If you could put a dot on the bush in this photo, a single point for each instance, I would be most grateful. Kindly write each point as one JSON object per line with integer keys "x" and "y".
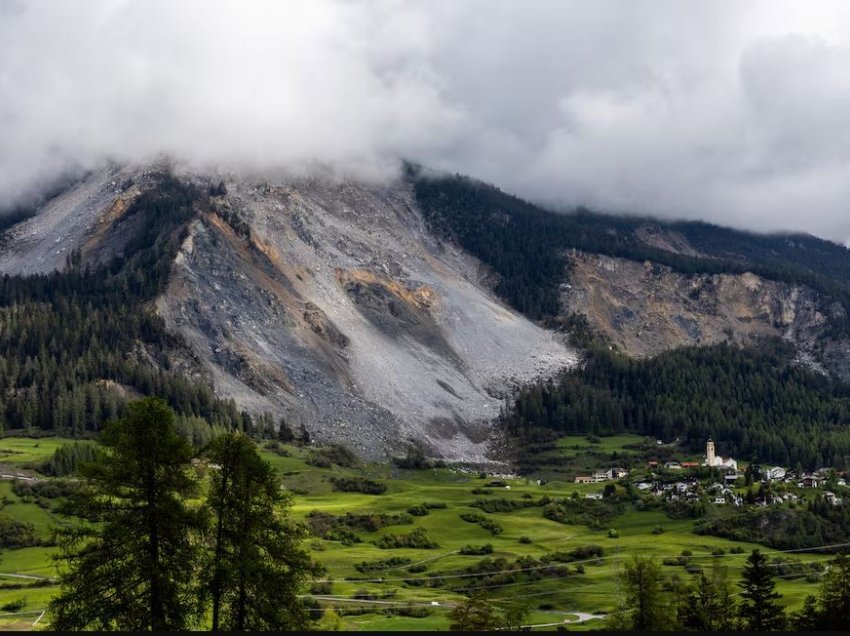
{"x": 736, "y": 550}
{"x": 419, "y": 510}
{"x": 381, "y": 564}
{"x": 358, "y": 484}
{"x": 477, "y": 550}
{"x": 687, "y": 553}
{"x": 718, "y": 552}
{"x": 417, "y": 568}
{"x": 320, "y": 523}
{"x": 16, "y": 534}
{"x": 332, "y": 454}
{"x": 14, "y": 606}
{"x": 481, "y": 520}
{"x": 525, "y": 539}
{"x": 321, "y": 587}
{"x": 416, "y": 539}
{"x": 657, "y": 530}
{"x": 613, "y": 534}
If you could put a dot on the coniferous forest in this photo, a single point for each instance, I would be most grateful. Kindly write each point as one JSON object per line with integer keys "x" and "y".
{"x": 756, "y": 400}
{"x": 67, "y": 339}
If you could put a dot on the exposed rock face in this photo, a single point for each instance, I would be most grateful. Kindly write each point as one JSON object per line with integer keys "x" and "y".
{"x": 332, "y": 306}
{"x": 337, "y": 309}
{"x": 75, "y": 220}
{"x": 646, "y": 308}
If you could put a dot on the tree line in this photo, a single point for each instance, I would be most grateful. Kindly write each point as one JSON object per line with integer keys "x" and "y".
{"x": 754, "y": 401}
{"x": 650, "y": 602}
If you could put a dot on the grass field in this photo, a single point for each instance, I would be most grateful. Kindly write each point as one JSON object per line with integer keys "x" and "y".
{"x": 393, "y": 588}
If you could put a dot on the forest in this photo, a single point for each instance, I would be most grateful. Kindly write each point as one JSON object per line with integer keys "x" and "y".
{"x": 74, "y": 344}
{"x": 754, "y": 401}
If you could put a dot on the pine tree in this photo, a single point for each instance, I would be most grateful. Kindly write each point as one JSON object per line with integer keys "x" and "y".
{"x": 708, "y": 604}
{"x": 834, "y": 595}
{"x": 759, "y": 611}
{"x": 130, "y": 569}
{"x": 644, "y": 607}
{"x": 257, "y": 565}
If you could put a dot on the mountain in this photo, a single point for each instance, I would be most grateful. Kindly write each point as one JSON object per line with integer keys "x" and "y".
{"x": 327, "y": 304}
{"x": 645, "y": 286}
{"x": 371, "y": 315}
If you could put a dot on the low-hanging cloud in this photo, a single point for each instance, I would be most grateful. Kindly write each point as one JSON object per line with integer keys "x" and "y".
{"x": 735, "y": 112}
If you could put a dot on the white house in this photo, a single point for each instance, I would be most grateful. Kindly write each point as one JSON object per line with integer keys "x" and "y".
{"x": 777, "y": 472}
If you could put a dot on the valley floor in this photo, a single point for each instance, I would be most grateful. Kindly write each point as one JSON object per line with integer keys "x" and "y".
{"x": 551, "y": 566}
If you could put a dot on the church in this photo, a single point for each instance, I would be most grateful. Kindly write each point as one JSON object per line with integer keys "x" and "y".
{"x": 711, "y": 459}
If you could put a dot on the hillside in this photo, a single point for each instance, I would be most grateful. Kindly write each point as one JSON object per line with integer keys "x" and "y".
{"x": 373, "y": 315}
{"x": 324, "y": 304}
{"x": 647, "y": 286}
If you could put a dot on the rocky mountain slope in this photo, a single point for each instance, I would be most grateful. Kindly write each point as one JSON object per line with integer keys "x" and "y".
{"x": 327, "y": 304}
{"x": 644, "y": 286}
{"x": 378, "y": 314}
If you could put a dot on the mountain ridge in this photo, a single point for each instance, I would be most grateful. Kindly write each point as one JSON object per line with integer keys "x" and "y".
{"x": 380, "y": 315}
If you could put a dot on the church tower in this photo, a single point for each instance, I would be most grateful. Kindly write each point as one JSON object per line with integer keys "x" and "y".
{"x": 709, "y": 452}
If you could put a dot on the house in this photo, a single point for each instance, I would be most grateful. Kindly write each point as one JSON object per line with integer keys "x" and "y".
{"x": 690, "y": 464}
{"x": 652, "y": 463}
{"x": 593, "y": 495}
{"x": 583, "y": 479}
{"x": 719, "y": 500}
{"x": 731, "y": 478}
{"x": 808, "y": 481}
{"x": 673, "y": 466}
{"x": 777, "y": 472}
{"x": 600, "y": 475}
{"x": 643, "y": 485}
{"x": 617, "y": 473}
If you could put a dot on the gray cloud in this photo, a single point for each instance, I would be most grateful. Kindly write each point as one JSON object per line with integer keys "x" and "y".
{"x": 735, "y": 112}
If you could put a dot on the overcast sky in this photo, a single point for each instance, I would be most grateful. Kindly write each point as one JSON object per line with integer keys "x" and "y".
{"x": 732, "y": 111}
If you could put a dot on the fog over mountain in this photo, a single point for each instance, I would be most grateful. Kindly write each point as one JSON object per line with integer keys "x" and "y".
{"x": 734, "y": 112}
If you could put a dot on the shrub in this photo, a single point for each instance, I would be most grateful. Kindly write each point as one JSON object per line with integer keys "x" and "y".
{"x": 613, "y": 534}
{"x": 657, "y": 530}
{"x": 14, "y": 606}
{"x": 419, "y": 510}
{"x": 16, "y": 534}
{"x": 416, "y": 539}
{"x": 481, "y": 520}
{"x": 358, "y": 484}
{"x": 525, "y": 539}
{"x": 381, "y": 564}
{"x": 321, "y": 587}
{"x": 477, "y": 549}
{"x": 417, "y": 568}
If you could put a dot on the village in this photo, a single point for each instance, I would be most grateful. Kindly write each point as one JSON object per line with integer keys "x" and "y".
{"x": 725, "y": 484}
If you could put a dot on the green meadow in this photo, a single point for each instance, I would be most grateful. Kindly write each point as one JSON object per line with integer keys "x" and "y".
{"x": 405, "y": 588}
